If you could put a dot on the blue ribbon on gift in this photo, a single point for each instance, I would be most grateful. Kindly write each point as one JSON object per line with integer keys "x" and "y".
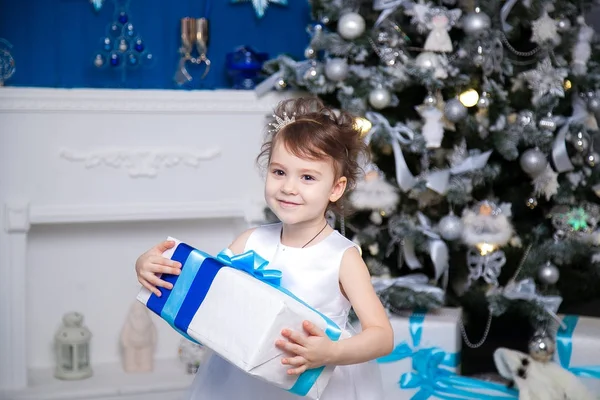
{"x": 405, "y": 350}
{"x": 197, "y": 274}
{"x": 429, "y": 375}
{"x": 564, "y": 341}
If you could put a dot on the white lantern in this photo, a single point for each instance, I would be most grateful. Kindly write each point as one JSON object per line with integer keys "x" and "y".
{"x": 72, "y": 346}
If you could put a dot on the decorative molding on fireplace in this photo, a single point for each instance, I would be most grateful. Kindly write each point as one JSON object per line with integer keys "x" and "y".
{"x": 139, "y": 162}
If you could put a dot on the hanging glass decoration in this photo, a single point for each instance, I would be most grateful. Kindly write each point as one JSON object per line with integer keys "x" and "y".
{"x": 7, "y": 62}
{"x": 97, "y": 4}
{"x": 260, "y": 6}
{"x": 122, "y": 48}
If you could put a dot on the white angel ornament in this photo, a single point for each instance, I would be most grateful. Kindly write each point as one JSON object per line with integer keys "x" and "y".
{"x": 440, "y": 20}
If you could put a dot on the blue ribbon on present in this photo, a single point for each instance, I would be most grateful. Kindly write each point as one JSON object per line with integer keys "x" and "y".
{"x": 197, "y": 274}
{"x": 564, "y": 341}
{"x": 405, "y": 350}
{"x": 429, "y": 375}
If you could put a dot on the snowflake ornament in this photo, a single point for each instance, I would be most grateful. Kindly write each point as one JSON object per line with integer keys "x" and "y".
{"x": 420, "y": 15}
{"x": 545, "y": 30}
{"x": 545, "y": 79}
{"x": 546, "y": 183}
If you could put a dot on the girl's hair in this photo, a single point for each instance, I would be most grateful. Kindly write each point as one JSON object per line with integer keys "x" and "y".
{"x": 318, "y": 133}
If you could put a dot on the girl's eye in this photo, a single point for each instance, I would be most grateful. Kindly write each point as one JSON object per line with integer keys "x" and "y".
{"x": 308, "y": 177}
{"x": 278, "y": 172}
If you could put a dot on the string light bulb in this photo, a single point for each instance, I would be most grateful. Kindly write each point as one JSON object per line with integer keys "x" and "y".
{"x": 469, "y": 98}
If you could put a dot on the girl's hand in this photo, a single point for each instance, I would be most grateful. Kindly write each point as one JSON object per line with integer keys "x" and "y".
{"x": 151, "y": 264}
{"x": 308, "y": 350}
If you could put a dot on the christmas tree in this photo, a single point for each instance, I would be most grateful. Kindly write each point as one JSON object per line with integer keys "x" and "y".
{"x": 483, "y": 187}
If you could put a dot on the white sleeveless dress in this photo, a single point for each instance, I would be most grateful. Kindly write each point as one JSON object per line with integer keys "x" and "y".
{"x": 312, "y": 274}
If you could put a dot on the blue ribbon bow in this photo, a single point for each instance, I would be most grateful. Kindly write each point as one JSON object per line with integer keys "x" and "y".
{"x": 429, "y": 376}
{"x": 197, "y": 274}
{"x": 405, "y": 350}
{"x": 564, "y": 341}
{"x": 253, "y": 264}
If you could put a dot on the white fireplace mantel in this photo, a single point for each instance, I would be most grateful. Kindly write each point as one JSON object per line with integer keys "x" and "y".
{"x": 78, "y": 167}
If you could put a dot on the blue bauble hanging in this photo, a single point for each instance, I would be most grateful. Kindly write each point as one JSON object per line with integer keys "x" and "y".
{"x": 107, "y": 44}
{"x": 139, "y": 45}
{"x": 129, "y": 30}
{"x": 115, "y": 59}
{"x": 123, "y": 18}
{"x": 132, "y": 60}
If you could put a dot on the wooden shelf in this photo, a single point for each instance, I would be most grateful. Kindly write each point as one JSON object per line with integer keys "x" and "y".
{"x": 169, "y": 380}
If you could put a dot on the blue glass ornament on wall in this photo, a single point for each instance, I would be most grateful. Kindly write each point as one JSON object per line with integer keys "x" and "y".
{"x": 122, "y": 49}
{"x": 244, "y": 66}
{"x": 97, "y": 4}
{"x": 260, "y": 6}
{"x": 7, "y": 62}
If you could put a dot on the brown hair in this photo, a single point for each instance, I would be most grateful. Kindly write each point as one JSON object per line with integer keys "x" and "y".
{"x": 319, "y": 133}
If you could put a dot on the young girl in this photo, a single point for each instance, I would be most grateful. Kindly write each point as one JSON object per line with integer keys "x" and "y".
{"x": 312, "y": 157}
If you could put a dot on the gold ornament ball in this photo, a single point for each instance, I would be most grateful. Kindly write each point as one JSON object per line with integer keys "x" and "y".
{"x": 542, "y": 348}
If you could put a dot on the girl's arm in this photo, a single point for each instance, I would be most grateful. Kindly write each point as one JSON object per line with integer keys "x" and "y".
{"x": 239, "y": 244}
{"x": 377, "y": 337}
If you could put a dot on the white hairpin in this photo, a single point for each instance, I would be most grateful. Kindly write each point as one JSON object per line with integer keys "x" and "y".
{"x": 281, "y": 122}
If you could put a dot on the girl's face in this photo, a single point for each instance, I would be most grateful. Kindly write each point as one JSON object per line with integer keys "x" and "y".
{"x": 298, "y": 190}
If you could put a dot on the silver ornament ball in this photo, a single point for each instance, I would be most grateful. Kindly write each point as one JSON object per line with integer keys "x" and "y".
{"x": 454, "y": 111}
{"x": 450, "y": 227}
{"x": 547, "y": 123}
{"x": 592, "y": 159}
{"x": 563, "y": 24}
{"x": 427, "y": 60}
{"x": 99, "y": 60}
{"x": 351, "y": 25}
{"x": 548, "y": 274}
{"x": 593, "y": 104}
{"x": 336, "y": 69}
{"x": 476, "y": 22}
{"x": 533, "y": 162}
{"x": 380, "y": 98}
{"x": 542, "y": 348}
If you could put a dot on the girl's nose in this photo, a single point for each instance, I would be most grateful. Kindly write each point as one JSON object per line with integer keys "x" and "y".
{"x": 289, "y": 186}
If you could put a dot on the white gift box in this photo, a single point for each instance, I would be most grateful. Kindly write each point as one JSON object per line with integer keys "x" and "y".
{"x": 426, "y": 360}
{"x": 578, "y": 349}
{"x": 418, "y": 332}
{"x": 213, "y": 297}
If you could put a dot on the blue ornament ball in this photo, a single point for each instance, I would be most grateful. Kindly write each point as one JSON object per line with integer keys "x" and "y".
{"x": 132, "y": 60}
{"x": 107, "y": 44}
{"x": 129, "y": 30}
{"x": 123, "y": 18}
{"x": 139, "y": 45}
{"x": 115, "y": 59}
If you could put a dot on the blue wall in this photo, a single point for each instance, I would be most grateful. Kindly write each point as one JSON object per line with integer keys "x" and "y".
{"x": 54, "y": 41}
